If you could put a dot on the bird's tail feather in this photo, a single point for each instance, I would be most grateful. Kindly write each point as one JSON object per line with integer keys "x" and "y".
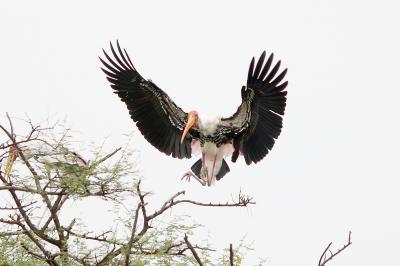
{"x": 196, "y": 169}
{"x": 224, "y": 170}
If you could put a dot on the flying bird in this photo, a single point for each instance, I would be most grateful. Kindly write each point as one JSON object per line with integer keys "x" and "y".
{"x": 251, "y": 131}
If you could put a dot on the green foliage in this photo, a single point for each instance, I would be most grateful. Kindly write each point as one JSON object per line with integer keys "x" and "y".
{"x": 52, "y": 172}
{"x": 12, "y": 253}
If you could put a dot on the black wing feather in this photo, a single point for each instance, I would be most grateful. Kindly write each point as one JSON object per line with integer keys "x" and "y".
{"x": 158, "y": 118}
{"x": 259, "y": 65}
{"x": 258, "y": 121}
{"x": 251, "y": 68}
{"x": 266, "y": 67}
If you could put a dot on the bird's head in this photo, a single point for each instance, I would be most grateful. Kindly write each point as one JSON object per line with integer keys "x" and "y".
{"x": 193, "y": 120}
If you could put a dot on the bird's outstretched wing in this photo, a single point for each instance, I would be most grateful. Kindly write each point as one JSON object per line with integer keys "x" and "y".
{"x": 158, "y": 118}
{"x": 258, "y": 120}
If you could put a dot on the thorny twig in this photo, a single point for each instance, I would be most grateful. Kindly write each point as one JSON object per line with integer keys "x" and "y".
{"x": 324, "y": 258}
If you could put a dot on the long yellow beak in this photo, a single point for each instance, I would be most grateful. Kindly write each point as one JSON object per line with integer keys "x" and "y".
{"x": 191, "y": 121}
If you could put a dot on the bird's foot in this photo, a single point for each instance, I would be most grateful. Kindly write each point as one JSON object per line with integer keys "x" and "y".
{"x": 190, "y": 174}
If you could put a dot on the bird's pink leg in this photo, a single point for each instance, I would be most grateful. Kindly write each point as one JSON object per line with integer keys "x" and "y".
{"x": 212, "y": 171}
{"x": 203, "y": 171}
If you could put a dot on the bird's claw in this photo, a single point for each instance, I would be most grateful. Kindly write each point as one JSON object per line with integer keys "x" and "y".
{"x": 190, "y": 174}
{"x": 187, "y": 176}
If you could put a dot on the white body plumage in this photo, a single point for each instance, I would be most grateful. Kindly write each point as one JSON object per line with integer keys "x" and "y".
{"x": 212, "y": 155}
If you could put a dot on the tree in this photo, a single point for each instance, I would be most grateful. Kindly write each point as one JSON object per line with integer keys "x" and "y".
{"x": 41, "y": 171}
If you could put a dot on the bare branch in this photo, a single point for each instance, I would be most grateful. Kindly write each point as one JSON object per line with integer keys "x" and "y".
{"x": 99, "y": 238}
{"x": 35, "y": 241}
{"x": 36, "y": 255}
{"x": 325, "y": 259}
{"x": 11, "y": 124}
{"x": 108, "y": 156}
{"x": 146, "y": 219}
{"x": 194, "y": 252}
{"x": 130, "y": 243}
{"x": 54, "y": 209}
{"x": 28, "y": 221}
{"x": 75, "y": 258}
{"x": 242, "y": 202}
{"x": 171, "y": 199}
{"x": 16, "y": 208}
{"x": 4, "y": 221}
{"x": 231, "y": 254}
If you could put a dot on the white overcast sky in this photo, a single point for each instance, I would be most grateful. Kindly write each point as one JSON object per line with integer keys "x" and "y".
{"x": 333, "y": 169}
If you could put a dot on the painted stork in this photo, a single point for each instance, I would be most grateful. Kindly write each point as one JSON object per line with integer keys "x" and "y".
{"x": 251, "y": 131}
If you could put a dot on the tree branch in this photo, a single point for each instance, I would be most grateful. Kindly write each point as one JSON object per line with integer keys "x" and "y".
{"x": 243, "y": 202}
{"x": 108, "y": 156}
{"x": 231, "y": 255}
{"x": 194, "y": 252}
{"x": 99, "y": 238}
{"x": 16, "y": 198}
{"x": 130, "y": 243}
{"x": 36, "y": 242}
{"x": 325, "y": 259}
{"x": 16, "y": 233}
{"x": 55, "y": 208}
{"x": 16, "y": 208}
